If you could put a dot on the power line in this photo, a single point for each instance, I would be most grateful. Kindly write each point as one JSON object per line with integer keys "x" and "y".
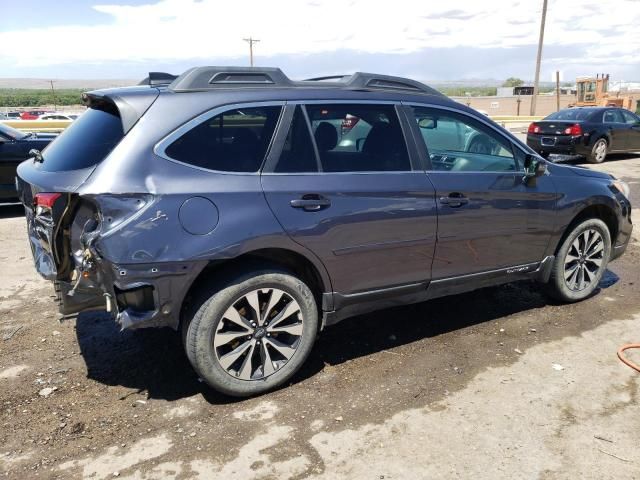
{"x": 251, "y": 41}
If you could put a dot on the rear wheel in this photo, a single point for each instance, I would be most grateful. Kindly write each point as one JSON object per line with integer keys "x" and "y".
{"x": 599, "y": 151}
{"x": 581, "y": 261}
{"x": 253, "y": 333}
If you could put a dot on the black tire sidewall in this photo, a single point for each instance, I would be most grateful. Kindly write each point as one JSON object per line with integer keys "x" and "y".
{"x": 560, "y": 290}
{"x": 200, "y": 332}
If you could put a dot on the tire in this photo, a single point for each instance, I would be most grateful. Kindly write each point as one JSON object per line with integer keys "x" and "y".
{"x": 242, "y": 360}
{"x": 598, "y": 151}
{"x": 572, "y": 261}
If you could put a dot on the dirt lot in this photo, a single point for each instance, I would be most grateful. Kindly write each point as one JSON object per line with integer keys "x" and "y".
{"x": 498, "y": 383}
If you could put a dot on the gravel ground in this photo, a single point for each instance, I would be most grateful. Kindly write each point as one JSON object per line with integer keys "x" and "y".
{"x": 497, "y": 383}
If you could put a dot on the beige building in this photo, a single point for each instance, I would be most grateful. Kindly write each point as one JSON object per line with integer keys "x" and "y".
{"x": 509, "y": 105}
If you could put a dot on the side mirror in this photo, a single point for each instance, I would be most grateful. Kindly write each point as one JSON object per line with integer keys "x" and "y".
{"x": 360, "y": 144}
{"x": 428, "y": 123}
{"x": 534, "y": 167}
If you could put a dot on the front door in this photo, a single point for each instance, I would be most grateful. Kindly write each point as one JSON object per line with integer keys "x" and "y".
{"x": 488, "y": 218}
{"x": 341, "y": 182}
{"x": 632, "y": 123}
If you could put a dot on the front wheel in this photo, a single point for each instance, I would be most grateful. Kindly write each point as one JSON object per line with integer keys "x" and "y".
{"x": 253, "y": 333}
{"x": 599, "y": 151}
{"x": 581, "y": 261}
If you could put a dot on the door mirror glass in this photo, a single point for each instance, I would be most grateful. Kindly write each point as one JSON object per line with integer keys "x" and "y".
{"x": 534, "y": 167}
{"x": 428, "y": 123}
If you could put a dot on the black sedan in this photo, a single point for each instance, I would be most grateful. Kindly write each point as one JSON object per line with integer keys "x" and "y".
{"x": 590, "y": 132}
{"x": 14, "y": 148}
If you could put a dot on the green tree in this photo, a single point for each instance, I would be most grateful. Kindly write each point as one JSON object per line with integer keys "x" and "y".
{"x": 513, "y": 82}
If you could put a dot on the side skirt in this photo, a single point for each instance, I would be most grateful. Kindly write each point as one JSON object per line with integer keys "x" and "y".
{"x": 364, "y": 302}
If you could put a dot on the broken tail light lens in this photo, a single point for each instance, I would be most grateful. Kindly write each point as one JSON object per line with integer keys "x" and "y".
{"x": 46, "y": 200}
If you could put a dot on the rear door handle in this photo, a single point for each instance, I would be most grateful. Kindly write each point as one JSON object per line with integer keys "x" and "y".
{"x": 454, "y": 200}
{"x": 311, "y": 202}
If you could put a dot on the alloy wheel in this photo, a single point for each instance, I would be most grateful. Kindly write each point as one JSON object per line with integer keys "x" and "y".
{"x": 584, "y": 260}
{"x": 601, "y": 150}
{"x": 258, "y": 334}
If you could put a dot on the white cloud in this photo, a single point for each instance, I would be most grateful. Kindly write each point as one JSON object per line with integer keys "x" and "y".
{"x": 172, "y": 30}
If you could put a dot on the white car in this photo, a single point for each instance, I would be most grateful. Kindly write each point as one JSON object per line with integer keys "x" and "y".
{"x": 58, "y": 116}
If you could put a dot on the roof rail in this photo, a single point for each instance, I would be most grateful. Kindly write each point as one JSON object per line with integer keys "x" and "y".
{"x": 158, "y": 78}
{"x": 328, "y": 77}
{"x": 388, "y": 82}
{"x": 206, "y": 78}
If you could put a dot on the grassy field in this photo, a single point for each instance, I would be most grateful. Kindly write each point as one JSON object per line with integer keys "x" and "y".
{"x": 18, "y": 97}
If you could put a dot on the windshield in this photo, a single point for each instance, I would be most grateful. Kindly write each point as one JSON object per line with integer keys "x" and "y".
{"x": 86, "y": 142}
{"x": 11, "y": 132}
{"x": 571, "y": 114}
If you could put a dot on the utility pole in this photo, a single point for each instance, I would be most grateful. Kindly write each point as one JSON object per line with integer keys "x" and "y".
{"x": 557, "y": 91}
{"x": 55, "y": 106}
{"x": 536, "y": 81}
{"x": 251, "y": 41}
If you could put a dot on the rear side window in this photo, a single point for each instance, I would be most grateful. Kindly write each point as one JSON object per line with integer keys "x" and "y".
{"x": 358, "y": 138}
{"x": 233, "y": 141}
{"x": 86, "y": 142}
{"x": 571, "y": 114}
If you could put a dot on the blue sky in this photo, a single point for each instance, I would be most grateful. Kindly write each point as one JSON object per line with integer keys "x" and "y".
{"x": 428, "y": 40}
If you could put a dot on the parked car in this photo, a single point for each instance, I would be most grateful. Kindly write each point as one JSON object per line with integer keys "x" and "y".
{"x": 222, "y": 205}
{"x": 58, "y": 116}
{"x": 589, "y": 132}
{"x": 32, "y": 114}
{"x": 13, "y": 116}
{"x": 14, "y": 148}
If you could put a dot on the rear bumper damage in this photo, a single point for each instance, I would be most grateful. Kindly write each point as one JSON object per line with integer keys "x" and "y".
{"x": 138, "y": 296}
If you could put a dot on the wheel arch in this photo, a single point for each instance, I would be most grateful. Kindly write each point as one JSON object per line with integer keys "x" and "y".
{"x": 600, "y": 211}
{"x": 290, "y": 260}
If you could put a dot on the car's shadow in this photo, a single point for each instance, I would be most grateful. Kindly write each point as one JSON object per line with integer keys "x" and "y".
{"x": 612, "y": 157}
{"x": 152, "y": 361}
{"x": 11, "y": 210}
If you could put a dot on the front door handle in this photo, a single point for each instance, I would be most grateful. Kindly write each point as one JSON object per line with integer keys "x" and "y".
{"x": 454, "y": 200}
{"x": 311, "y": 202}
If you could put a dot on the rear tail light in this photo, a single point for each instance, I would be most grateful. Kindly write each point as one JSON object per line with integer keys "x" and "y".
{"x": 574, "y": 130}
{"x": 46, "y": 200}
{"x": 534, "y": 128}
{"x": 348, "y": 123}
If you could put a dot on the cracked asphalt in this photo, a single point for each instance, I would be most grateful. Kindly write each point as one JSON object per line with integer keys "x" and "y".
{"x": 496, "y": 383}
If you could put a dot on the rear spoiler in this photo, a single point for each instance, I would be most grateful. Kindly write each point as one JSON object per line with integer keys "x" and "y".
{"x": 129, "y": 105}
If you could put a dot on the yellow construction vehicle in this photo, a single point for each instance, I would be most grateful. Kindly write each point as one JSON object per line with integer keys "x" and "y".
{"x": 594, "y": 92}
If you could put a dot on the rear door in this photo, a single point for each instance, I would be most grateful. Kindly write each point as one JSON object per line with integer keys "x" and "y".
{"x": 342, "y": 183}
{"x": 487, "y": 218}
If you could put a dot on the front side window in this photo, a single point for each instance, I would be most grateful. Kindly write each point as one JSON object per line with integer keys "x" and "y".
{"x": 233, "y": 141}
{"x": 358, "y": 138}
{"x": 459, "y": 143}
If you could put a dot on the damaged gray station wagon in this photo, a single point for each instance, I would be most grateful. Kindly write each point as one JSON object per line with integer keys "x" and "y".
{"x": 250, "y": 211}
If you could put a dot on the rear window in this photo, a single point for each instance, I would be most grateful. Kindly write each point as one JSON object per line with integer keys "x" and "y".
{"x": 233, "y": 141}
{"x": 571, "y": 114}
{"x": 86, "y": 142}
